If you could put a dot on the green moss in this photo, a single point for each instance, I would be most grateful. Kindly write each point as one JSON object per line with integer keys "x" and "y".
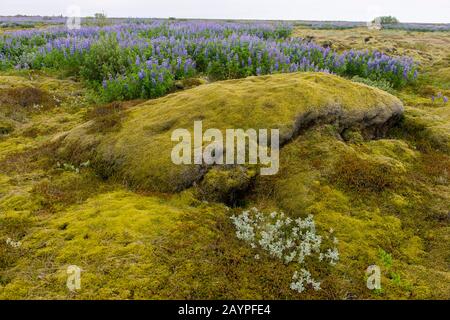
{"x": 352, "y": 136}
{"x": 6, "y": 126}
{"x": 426, "y": 128}
{"x": 106, "y": 118}
{"x": 113, "y": 237}
{"x": 152, "y": 246}
{"x": 362, "y": 209}
{"x": 189, "y": 83}
{"x": 25, "y": 97}
{"x": 140, "y": 153}
{"x": 367, "y": 174}
{"x": 225, "y": 185}
{"x": 394, "y": 149}
{"x": 67, "y": 188}
{"x": 14, "y": 145}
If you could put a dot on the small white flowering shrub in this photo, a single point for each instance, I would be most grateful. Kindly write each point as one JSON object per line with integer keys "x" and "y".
{"x": 291, "y": 241}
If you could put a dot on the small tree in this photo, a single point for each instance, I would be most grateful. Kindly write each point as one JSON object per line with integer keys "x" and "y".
{"x": 384, "y": 20}
{"x": 101, "y": 19}
{"x": 100, "y": 16}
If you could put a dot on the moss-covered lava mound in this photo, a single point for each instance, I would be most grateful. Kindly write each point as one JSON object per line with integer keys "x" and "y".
{"x": 139, "y": 152}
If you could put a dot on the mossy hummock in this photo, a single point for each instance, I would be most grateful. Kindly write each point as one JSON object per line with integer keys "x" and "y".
{"x": 140, "y": 152}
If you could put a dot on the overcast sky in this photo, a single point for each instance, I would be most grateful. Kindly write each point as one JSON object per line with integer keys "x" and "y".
{"x": 349, "y": 10}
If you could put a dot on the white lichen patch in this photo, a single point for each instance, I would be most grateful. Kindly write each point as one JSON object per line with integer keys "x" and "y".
{"x": 291, "y": 241}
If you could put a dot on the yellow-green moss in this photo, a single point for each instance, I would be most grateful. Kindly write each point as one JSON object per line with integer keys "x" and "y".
{"x": 225, "y": 185}
{"x": 14, "y": 145}
{"x": 394, "y": 149}
{"x": 112, "y": 237}
{"x": 427, "y": 128}
{"x": 133, "y": 246}
{"x": 140, "y": 153}
{"x": 393, "y": 216}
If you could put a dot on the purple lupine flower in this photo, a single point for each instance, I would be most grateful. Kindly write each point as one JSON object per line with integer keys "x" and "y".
{"x": 405, "y": 73}
{"x": 171, "y": 47}
{"x": 277, "y": 66}
{"x": 141, "y": 74}
{"x": 445, "y": 99}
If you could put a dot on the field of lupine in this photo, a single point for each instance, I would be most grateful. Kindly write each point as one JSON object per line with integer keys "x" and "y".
{"x": 142, "y": 60}
{"x": 343, "y": 25}
{"x": 86, "y": 179}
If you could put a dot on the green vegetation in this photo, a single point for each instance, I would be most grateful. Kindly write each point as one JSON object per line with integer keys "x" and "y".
{"x": 386, "y": 20}
{"x": 380, "y": 84}
{"x": 140, "y": 152}
{"x": 81, "y": 183}
{"x": 144, "y": 59}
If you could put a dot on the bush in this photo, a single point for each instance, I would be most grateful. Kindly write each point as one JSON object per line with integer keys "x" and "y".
{"x": 216, "y": 71}
{"x": 142, "y": 84}
{"x": 104, "y": 60}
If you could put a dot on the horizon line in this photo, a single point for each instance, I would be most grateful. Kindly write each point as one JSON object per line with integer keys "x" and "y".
{"x": 233, "y": 19}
